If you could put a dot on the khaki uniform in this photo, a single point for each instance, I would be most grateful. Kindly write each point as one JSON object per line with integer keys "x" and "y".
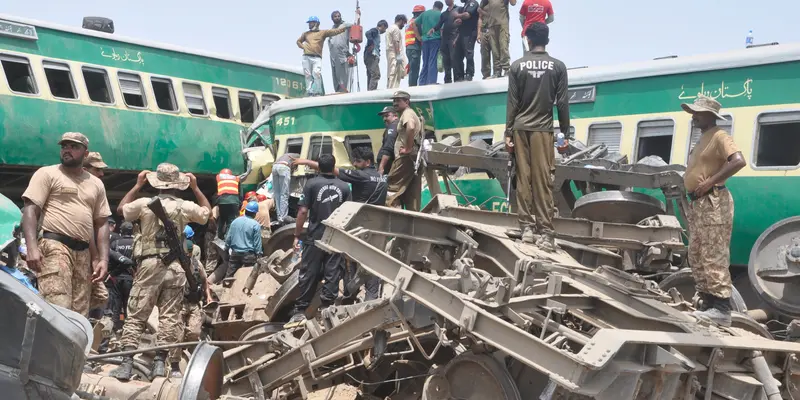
{"x": 404, "y": 183}
{"x": 486, "y": 51}
{"x": 395, "y": 61}
{"x": 497, "y": 37}
{"x": 211, "y": 250}
{"x": 711, "y": 216}
{"x": 535, "y": 171}
{"x": 191, "y": 314}
{"x": 156, "y": 284}
{"x": 262, "y": 217}
{"x": 69, "y": 205}
{"x": 99, "y": 295}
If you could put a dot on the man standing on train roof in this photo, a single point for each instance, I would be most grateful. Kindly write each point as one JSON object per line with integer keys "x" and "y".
{"x": 413, "y": 42}
{"x": 386, "y": 153}
{"x": 282, "y": 170}
{"x": 405, "y": 185}
{"x": 311, "y": 42}
{"x": 467, "y": 23}
{"x": 75, "y": 210}
{"x": 536, "y": 82}
{"x": 157, "y": 284}
{"x": 372, "y": 54}
{"x": 339, "y": 45}
{"x": 713, "y": 160}
{"x": 396, "y": 63}
{"x": 533, "y": 11}
{"x": 495, "y": 17}
{"x": 227, "y": 200}
{"x": 431, "y": 42}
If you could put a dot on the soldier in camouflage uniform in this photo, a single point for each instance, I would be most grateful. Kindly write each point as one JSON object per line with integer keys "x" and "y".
{"x": 156, "y": 284}
{"x": 714, "y": 159}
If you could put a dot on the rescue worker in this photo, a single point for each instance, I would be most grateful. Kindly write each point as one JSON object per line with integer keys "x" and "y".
{"x": 405, "y": 185}
{"x": 372, "y": 54}
{"x": 244, "y": 240}
{"x": 282, "y": 171}
{"x": 532, "y": 11}
{"x": 192, "y": 313}
{"x": 248, "y": 197}
{"x": 322, "y": 195}
{"x": 311, "y": 43}
{"x": 262, "y": 217}
{"x": 431, "y": 41}
{"x": 386, "y": 153}
{"x": 713, "y": 160}
{"x": 449, "y": 32}
{"x": 536, "y": 82}
{"x": 369, "y": 187}
{"x": 467, "y": 23}
{"x": 156, "y": 284}
{"x": 339, "y": 45}
{"x": 227, "y": 200}
{"x": 74, "y": 209}
{"x": 413, "y": 42}
{"x": 396, "y": 63}
{"x": 494, "y": 15}
{"x": 120, "y": 274}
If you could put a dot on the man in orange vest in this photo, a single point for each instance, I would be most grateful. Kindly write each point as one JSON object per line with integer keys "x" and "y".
{"x": 227, "y": 200}
{"x": 414, "y": 46}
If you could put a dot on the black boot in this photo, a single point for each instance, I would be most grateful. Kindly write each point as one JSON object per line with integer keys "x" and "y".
{"x": 719, "y": 311}
{"x": 175, "y": 370}
{"x": 704, "y": 302}
{"x": 159, "y": 364}
{"x": 125, "y": 370}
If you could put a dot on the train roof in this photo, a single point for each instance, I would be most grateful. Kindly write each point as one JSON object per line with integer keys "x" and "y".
{"x": 146, "y": 43}
{"x": 770, "y": 54}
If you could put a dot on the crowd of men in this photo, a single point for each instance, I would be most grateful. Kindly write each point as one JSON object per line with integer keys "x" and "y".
{"x": 439, "y": 39}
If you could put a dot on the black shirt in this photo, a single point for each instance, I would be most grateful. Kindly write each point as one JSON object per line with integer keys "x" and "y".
{"x": 373, "y": 39}
{"x": 368, "y": 185}
{"x": 535, "y": 82}
{"x": 471, "y": 24}
{"x": 447, "y": 24}
{"x": 322, "y": 195}
{"x": 123, "y": 245}
{"x": 387, "y": 147}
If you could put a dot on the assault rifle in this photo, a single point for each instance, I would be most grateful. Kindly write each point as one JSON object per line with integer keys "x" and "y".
{"x": 175, "y": 245}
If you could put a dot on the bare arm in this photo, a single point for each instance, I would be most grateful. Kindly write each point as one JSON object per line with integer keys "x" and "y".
{"x": 735, "y": 163}
{"x": 302, "y": 216}
{"x": 301, "y": 40}
{"x": 512, "y": 2}
{"x": 550, "y": 18}
{"x": 202, "y": 201}
{"x": 336, "y": 31}
{"x": 30, "y": 228}
{"x": 101, "y": 234}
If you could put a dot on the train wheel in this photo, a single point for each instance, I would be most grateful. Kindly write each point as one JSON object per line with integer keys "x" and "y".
{"x": 471, "y": 377}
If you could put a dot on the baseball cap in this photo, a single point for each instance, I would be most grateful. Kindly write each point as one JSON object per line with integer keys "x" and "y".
{"x": 387, "y": 109}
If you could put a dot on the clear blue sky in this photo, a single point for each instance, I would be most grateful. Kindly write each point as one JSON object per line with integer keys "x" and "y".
{"x": 586, "y": 32}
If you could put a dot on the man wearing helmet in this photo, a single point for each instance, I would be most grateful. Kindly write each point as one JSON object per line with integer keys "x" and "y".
{"x": 227, "y": 200}
{"x": 244, "y": 240}
{"x": 311, "y": 43}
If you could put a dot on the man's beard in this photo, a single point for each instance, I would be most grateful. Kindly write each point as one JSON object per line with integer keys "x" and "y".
{"x": 71, "y": 163}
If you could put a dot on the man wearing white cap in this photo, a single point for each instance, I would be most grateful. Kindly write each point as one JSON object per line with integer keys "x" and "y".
{"x": 714, "y": 159}
{"x": 75, "y": 210}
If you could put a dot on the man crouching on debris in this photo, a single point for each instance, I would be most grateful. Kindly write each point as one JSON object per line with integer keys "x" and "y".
{"x": 156, "y": 284}
{"x": 322, "y": 195}
{"x": 714, "y": 159}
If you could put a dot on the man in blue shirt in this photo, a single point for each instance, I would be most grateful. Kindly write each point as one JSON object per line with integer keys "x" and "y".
{"x": 372, "y": 54}
{"x": 244, "y": 240}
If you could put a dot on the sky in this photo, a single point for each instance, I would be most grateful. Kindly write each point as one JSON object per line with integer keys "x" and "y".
{"x": 585, "y": 32}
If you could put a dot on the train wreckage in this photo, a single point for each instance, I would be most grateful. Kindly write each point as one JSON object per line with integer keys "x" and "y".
{"x": 467, "y": 311}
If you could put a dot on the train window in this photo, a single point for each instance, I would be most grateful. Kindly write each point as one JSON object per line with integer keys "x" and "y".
{"x": 294, "y": 145}
{"x": 98, "y": 85}
{"x": 608, "y": 133}
{"x": 19, "y": 74}
{"x": 194, "y": 98}
{"x": 351, "y": 142}
{"x": 777, "y": 141}
{"x": 486, "y": 136}
{"x": 132, "y": 90}
{"x": 165, "y": 95}
{"x": 570, "y": 133}
{"x": 654, "y": 138}
{"x": 222, "y": 102}
{"x": 248, "y": 106}
{"x": 59, "y": 78}
{"x": 267, "y": 100}
{"x": 320, "y": 145}
{"x": 726, "y": 124}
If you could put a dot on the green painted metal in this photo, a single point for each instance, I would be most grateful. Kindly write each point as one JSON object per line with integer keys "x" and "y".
{"x": 112, "y": 53}
{"x": 128, "y": 140}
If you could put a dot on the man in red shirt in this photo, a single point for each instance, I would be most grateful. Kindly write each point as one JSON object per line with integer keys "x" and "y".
{"x": 534, "y": 11}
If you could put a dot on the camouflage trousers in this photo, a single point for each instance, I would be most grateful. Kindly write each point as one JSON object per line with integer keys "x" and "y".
{"x": 65, "y": 277}
{"x": 710, "y": 225}
{"x": 99, "y": 296}
{"x": 155, "y": 285}
{"x": 192, "y": 317}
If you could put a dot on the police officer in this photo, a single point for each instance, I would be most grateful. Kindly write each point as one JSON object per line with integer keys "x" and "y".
{"x": 121, "y": 271}
{"x": 156, "y": 284}
{"x": 405, "y": 185}
{"x": 535, "y": 82}
{"x": 386, "y": 153}
{"x": 316, "y": 263}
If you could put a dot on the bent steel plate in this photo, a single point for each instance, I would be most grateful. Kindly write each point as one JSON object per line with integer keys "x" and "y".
{"x": 203, "y": 378}
{"x": 617, "y": 206}
{"x": 784, "y": 297}
{"x": 478, "y": 377}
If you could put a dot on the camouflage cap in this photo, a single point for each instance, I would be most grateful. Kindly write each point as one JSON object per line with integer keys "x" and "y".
{"x": 75, "y": 137}
{"x": 94, "y": 159}
{"x": 703, "y": 104}
{"x": 401, "y": 94}
{"x": 387, "y": 109}
{"x": 168, "y": 176}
